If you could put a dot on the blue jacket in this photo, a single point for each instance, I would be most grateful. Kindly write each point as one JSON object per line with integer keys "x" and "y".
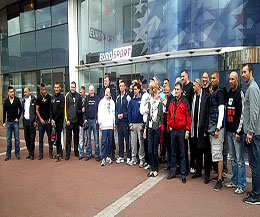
{"x": 134, "y": 115}
{"x": 122, "y": 107}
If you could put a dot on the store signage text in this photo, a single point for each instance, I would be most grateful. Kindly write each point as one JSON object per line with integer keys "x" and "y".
{"x": 116, "y": 54}
{"x": 99, "y": 35}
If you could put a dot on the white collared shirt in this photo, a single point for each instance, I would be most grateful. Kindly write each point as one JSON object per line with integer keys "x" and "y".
{"x": 11, "y": 100}
{"x": 27, "y": 108}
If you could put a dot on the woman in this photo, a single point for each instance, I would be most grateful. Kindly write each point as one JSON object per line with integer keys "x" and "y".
{"x": 153, "y": 126}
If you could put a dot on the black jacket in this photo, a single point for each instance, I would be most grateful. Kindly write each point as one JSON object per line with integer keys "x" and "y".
{"x": 13, "y": 110}
{"x": 57, "y": 108}
{"x": 82, "y": 102}
{"x": 122, "y": 108}
{"x": 32, "y": 109}
{"x": 71, "y": 104}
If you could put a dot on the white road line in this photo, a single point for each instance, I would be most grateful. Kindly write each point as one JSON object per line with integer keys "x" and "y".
{"x": 123, "y": 202}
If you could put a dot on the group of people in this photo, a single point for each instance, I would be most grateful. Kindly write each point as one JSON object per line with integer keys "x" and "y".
{"x": 200, "y": 115}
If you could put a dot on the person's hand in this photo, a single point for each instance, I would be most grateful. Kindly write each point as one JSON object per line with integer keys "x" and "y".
{"x": 16, "y": 120}
{"x": 216, "y": 134}
{"x": 248, "y": 138}
{"x": 35, "y": 124}
{"x": 49, "y": 121}
{"x": 4, "y": 125}
{"x": 120, "y": 116}
{"x": 68, "y": 123}
{"x": 114, "y": 128}
{"x": 147, "y": 111}
{"x": 237, "y": 138}
{"x": 100, "y": 127}
{"x": 42, "y": 121}
{"x": 144, "y": 134}
{"x": 205, "y": 135}
{"x": 83, "y": 110}
{"x": 52, "y": 122}
{"x": 132, "y": 128}
{"x": 186, "y": 135}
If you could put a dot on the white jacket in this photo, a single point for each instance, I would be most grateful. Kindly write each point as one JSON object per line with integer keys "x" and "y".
{"x": 106, "y": 114}
{"x": 144, "y": 105}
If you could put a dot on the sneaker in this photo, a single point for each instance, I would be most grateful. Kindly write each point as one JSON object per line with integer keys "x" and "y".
{"x": 231, "y": 185}
{"x": 141, "y": 164}
{"x": 253, "y": 200}
{"x": 218, "y": 186}
{"x": 192, "y": 170}
{"x": 239, "y": 191}
{"x": 58, "y": 158}
{"x": 128, "y": 160}
{"x": 120, "y": 160}
{"x": 147, "y": 167}
{"x": 132, "y": 162}
{"x": 109, "y": 160}
{"x": 103, "y": 162}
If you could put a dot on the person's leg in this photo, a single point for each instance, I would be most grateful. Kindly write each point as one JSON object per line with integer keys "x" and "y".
{"x": 9, "y": 130}
{"x": 32, "y": 139}
{"x": 96, "y": 133}
{"x": 193, "y": 149}
{"x": 68, "y": 140}
{"x": 110, "y": 146}
{"x": 240, "y": 151}
{"x": 91, "y": 127}
{"x": 41, "y": 129}
{"x": 104, "y": 144}
{"x": 26, "y": 128}
{"x": 168, "y": 145}
{"x": 150, "y": 147}
{"x": 199, "y": 160}
{"x": 59, "y": 127}
{"x": 134, "y": 142}
{"x": 173, "y": 165}
{"x": 141, "y": 145}
{"x": 126, "y": 136}
{"x": 225, "y": 152}
{"x": 81, "y": 141}
{"x": 17, "y": 139}
{"x": 76, "y": 139}
{"x": 120, "y": 139}
{"x": 233, "y": 156}
{"x": 156, "y": 142}
{"x": 207, "y": 158}
{"x": 181, "y": 144}
{"x": 48, "y": 131}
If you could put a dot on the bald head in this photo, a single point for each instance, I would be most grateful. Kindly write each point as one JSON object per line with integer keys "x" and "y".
{"x": 233, "y": 80}
{"x": 26, "y": 92}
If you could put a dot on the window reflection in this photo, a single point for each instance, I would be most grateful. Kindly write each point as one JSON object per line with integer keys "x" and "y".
{"x": 59, "y": 13}
{"x": 27, "y": 19}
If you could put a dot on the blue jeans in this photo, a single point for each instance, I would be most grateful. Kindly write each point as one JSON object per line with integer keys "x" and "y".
{"x": 123, "y": 135}
{"x": 106, "y": 146}
{"x": 236, "y": 152}
{"x": 178, "y": 144}
{"x": 42, "y": 129}
{"x": 10, "y": 128}
{"x": 153, "y": 143}
{"x": 92, "y": 126}
{"x": 254, "y": 163}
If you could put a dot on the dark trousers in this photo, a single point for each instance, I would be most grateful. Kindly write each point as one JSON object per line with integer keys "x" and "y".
{"x": 178, "y": 143}
{"x": 167, "y": 141}
{"x": 59, "y": 128}
{"x": 42, "y": 129}
{"x": 75, "y": 128}
{"x": 193, "y": 154}
{"x": 254, "y": 164}
{"x": 106, "y": 144}
{"x": 29, "y": 136}
{"x": 153, "y": 143}
{"x": 123, "y": 134}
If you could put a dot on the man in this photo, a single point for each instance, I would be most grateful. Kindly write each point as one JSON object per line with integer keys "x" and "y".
{"x": 57, "y": 117}
{"x": 179, "y": 123}
{"x": 166, "y": 83}
{"x": 251, "y": 124}
{"x": 234, "y": 122}
{"x": 92, "y": 101}
{"x": 136, "y": 127}
{"x": 216, "y": 126}
{"x": 12, "y": 110}
{"x": 43, "y": 113}
{"x": 82, "y": 120}
{"x": 205, "y": 81}
{"x": 71, "y": 119}
{"x": 122, "y": 102}
{"x": 199, "y": 136}
{"x": 29, "y": 121}
{"x": 106, "y": 120}
{"x": 188, "y": 93}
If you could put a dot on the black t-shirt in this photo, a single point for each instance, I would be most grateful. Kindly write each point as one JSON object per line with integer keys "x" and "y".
{"x": 188, "y": 92}
{"x": 44, "y": 106}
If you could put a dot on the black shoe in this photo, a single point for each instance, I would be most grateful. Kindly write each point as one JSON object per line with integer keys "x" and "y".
{"x": 97, "y": 158}
{"x": 87, "y": 158}
{"x": 80, "y": 157}
{"x": 67, "y": 157}
{"x": 183, "y": 180}
{"x": 206, "y": 180}
{"x": 18, "y": 158}
{"x": 196, "y": 175}
{"x": 253, "y": 200}
{"x": 28, "y": 157}
{"x": 31, "y": 157}
{"x": 7, "y": 158}
{"x": 218, "y": 186}
{"x": 40, "y": 158}
{"x": 171, "y": 176}
{"x": 51, "y": 156}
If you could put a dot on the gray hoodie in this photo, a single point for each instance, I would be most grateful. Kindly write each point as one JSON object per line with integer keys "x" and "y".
{"x": 251, "y": 109}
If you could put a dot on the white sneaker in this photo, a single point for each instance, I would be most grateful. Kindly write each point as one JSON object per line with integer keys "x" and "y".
{"x": 147, "y": 167}
{"x": 132, "y": 162}
{"x": 128, "y": 160}
{"x": 192, "y": 170}
{"x": 103, "y": 162}
{"x": 109, "y": 160}
{"x": 120, "y": 160}
{"x": 231, "y": 185}
{"x": 141, "y": 164}
{"x": 239, "y": 191}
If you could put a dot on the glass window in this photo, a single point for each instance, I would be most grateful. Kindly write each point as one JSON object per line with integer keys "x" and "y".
{"x": 42, "y": 14}
{"x": 28, "y": 51}
{"x": 3, "y": 24}
{"x": 29, "y": 79}
{"x": 4, "y": 56}
{"x": 14, "y": 53}
{"x": 60, "y": 50}
{"x": 13, "y": 19}
{"x": 27, "y": 19}
{"x": 59, "y": 12}
{"x": 43, "y": 48}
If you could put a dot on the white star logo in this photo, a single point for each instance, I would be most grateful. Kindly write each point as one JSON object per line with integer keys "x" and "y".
{"x": 139, "y": 7}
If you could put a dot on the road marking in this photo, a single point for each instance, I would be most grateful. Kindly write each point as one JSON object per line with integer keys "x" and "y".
{"x": 123, "y": 202}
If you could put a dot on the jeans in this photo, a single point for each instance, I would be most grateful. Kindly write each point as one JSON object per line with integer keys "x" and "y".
{"x": 153, "y": 143}
{"x": 123, "y": 134}
{"x": 75, "y": 128}
{"x": 178, "y": 143}
{"x": 254, "y": 163}
{"x": 10, "y": 128}
{"x": 42, "y": 129}
{"x": 92, "y": 126}
{"x": 236, "y": 152}
{"x": 106, "y": 145}
{"x": 82, "y": 140}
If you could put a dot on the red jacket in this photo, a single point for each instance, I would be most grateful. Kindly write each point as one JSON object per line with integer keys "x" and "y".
{"x": 178, "y": 117}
